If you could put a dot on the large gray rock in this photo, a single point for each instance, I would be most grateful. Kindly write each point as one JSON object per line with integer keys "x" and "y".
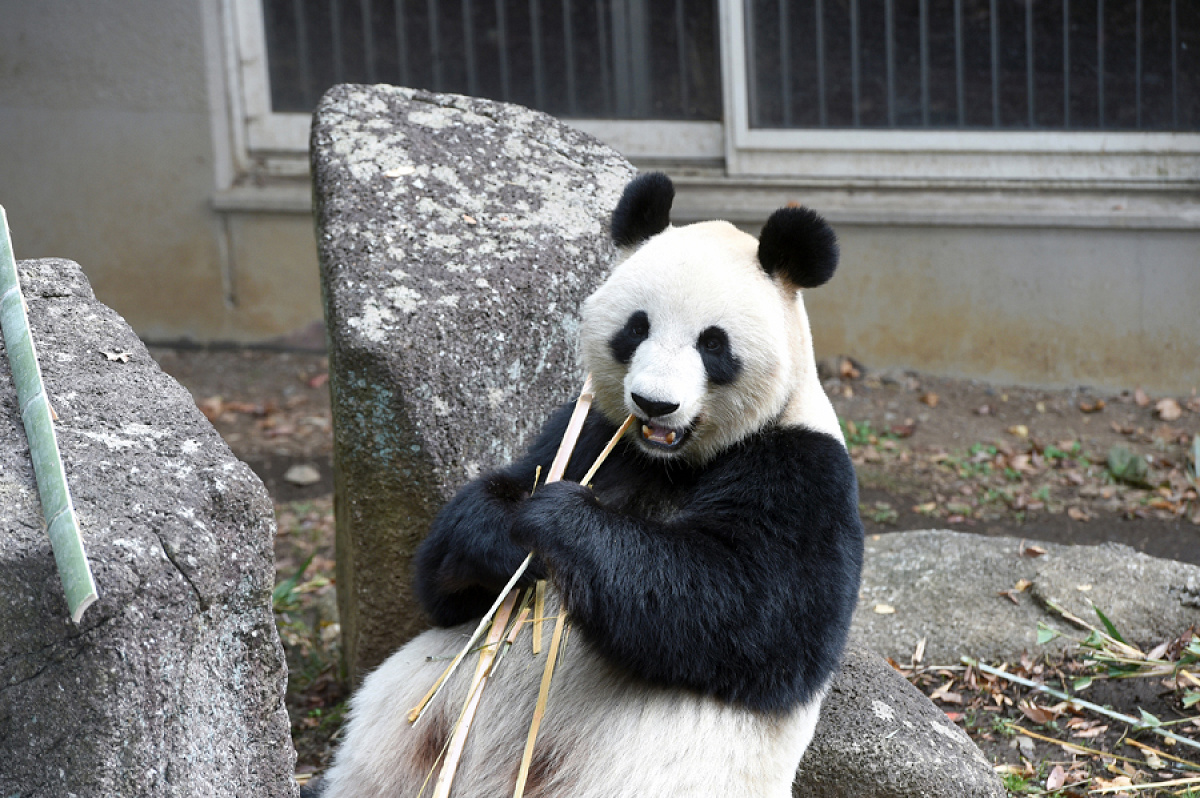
{"x": 173, "y": 683}
{"x": 947, "y": 587}
{"x": 880, "y": 737}
{"x": 457, "y": 238}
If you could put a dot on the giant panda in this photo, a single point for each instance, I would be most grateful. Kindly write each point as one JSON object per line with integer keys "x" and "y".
{"x": 709, "y": 570}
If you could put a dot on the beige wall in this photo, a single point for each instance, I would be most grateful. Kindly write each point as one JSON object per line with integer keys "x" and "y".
{"x": 1106, "y": 308}
{"x": 107, "y": 158}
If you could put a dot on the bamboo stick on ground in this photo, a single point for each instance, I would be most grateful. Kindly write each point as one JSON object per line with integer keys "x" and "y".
{"x": 1087, "y": 704}
{"x": 37, "y": 417}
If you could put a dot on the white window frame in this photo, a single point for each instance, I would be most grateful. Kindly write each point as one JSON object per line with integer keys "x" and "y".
{"x": 953, "y": 158}
{"x": 275, "y": 144}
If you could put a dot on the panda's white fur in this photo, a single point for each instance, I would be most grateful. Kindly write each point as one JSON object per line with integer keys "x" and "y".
{"x": 688, "y": 278}
{"x": 708, "y": 601}
{"x": 605, "y": 734}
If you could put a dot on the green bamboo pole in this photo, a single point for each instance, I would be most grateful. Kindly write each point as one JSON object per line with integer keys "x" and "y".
{"x": 57, "y": 508}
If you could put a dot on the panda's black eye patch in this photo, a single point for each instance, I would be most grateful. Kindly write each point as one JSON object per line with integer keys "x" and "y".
{"x": 720, "y": 362}
{"x": 630, "y": 337}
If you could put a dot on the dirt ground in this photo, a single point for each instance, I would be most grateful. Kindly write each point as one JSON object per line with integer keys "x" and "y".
{"x": 1070, "y": 466}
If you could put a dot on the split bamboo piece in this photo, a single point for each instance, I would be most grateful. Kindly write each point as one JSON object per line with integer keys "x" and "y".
{"x": 539, "y": 610}
{"x": 582, "y": 405}
{"x": 539, "y": 710}
{"x": 486, "y": 657}
{"x": 37, "y": 417}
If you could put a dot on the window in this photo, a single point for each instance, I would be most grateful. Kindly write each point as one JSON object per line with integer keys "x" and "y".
{"x": 1067, "y": 65}
{"x": 990, "y": 93}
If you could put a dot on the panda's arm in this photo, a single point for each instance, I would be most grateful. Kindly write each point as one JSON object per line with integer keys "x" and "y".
{"x": 746, "y": 594}
{"x": 469, "y": 555}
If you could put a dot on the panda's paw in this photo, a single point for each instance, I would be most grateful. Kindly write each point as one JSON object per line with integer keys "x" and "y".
{"x": 552, "y": 511}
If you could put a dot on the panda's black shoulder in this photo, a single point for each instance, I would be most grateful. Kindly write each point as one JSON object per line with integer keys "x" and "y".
{"x": 796, "y": 451}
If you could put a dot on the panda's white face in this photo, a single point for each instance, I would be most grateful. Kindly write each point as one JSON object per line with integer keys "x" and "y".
{"x": 691, "y": 336}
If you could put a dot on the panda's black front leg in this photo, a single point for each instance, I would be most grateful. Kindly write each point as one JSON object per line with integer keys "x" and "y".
{"x": 469, "y": 555}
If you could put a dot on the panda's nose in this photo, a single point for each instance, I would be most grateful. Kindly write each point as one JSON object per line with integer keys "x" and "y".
{"x": 654, "y": 408}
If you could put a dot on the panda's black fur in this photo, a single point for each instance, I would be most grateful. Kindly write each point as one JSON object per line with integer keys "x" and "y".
{"x": 737, "y": 579}
{"x": 711, "y": 566}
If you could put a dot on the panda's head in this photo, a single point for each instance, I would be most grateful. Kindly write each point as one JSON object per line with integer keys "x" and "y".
{"x": 700, "y": 331}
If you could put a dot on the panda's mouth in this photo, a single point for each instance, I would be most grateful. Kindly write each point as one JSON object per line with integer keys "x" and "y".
{"x": 663, "y": 438}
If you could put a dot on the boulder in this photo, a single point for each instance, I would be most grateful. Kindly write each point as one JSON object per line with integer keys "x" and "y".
{"x": 173, "y": 682}
{"x": 880, "y": 737}
{"x": 959, "y": 592}
{"x": 457, "y": 239}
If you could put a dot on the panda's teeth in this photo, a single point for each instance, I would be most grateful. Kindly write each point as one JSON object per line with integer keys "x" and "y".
{"x": 670, "y": 438}
{"x": 647, "y": 433}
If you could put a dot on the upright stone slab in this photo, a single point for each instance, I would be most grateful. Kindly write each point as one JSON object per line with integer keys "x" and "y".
{"x": 173, "y": 683}
{"x": 458, "y": 238}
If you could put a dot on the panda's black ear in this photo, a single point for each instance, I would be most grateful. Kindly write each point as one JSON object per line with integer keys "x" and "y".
{"x": 799, "y": 246}
{"x": 644, "y": 210}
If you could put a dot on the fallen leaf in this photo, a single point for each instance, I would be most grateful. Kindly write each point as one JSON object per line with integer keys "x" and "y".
{"x": 302, "y": 475}
{"x": 918, "y": 652}
{"x": 212, "y": 407}
{"x": 1022, "y": 585}
{"x": 1039, "y": 715}
{"x": 1091, "y": 407}
{"x": 1040, "y": 407}
{"x": 1078, "y": 514}
{"x": 930, "y": 398}
{"x": 1083, "y": 588}
{"x": 1056, "y": 779}
{"x": 884, "y": 609}
{"x": 117, "y": 357}
{"x": 1011, "y": 595}
{"x": 469, "y": 219}
{"x": 1019, "y": 430}
{"x": 904, "y": 430}
{"x": 400, "y": 171}
{"x": 847, "y": 369}
{"x": 1090, "y": 733}
{"x": 1140, "y": 398}
{"x": 1030, "y": 550}
{"x": 1026, "y": 745}
{"x": 1168, "y": 409}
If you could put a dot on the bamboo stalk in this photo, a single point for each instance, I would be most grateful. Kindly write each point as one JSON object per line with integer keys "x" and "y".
{"x": 1076, "y": 748}
{"x": 539, "y": 610}
{"x": 607, "y": 451}
{"x": 1163, "y": 754}
{"x": 1153, "y": 785}
{"x": 539, "y": 709}
{"x": 487, "y": 656}
{"x": 574, "y": 426}
{"x": 37, "y": 417}
{"x": 1086, "y": 704}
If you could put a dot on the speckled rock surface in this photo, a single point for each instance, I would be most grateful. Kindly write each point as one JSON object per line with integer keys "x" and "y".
{"x": 880, "y": 737}
{"x": 457, "y": 239}
{"x": 173, "y": 683}
{"x": 946, "y": 587}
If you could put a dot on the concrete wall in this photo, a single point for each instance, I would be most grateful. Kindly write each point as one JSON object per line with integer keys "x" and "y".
{"x": 107, "y": 158}
{"x": 1106, "y": 308}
